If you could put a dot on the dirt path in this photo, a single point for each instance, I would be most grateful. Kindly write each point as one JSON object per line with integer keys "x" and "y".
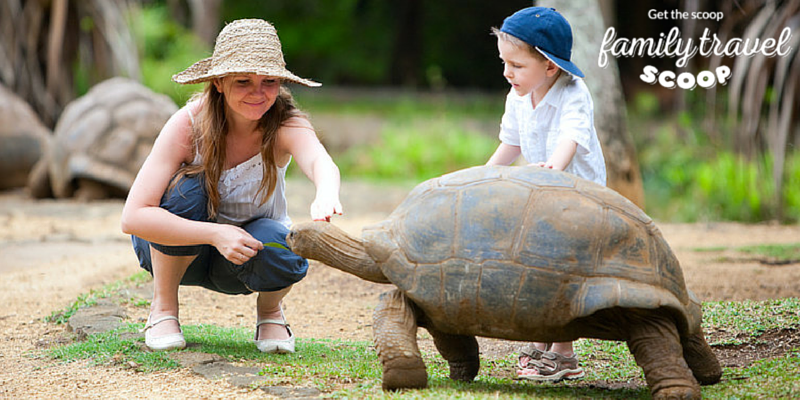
{"x": 53, "y": 251}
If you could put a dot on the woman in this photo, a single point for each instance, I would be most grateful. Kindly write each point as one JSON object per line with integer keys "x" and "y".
{"x": 211, "y": 193}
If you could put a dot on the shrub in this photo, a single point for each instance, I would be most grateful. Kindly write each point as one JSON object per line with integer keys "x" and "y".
{"x": 417, "y": 151}
{"x": 166, "y": 48}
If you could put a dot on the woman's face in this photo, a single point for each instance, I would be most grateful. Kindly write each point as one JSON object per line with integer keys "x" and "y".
{"x": 249, "y": 95}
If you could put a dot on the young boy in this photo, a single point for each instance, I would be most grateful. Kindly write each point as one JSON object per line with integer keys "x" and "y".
{"x": 548, "y": 120}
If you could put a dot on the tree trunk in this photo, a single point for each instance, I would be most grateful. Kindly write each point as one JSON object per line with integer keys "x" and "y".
{"x": 205, "y": 19}
{"x": 42, "y": 41}
{"x": 407, "y": 50}
{"x": 588, "y": 29}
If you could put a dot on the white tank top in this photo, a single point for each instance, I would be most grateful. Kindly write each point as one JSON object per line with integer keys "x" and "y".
{"x": 240, "y": 201}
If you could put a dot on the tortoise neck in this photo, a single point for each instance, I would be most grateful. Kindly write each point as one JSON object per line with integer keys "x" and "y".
{"x": 338, "y": 249}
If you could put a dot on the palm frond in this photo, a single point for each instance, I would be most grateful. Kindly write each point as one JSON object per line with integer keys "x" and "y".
{"x": 766, "y": 119}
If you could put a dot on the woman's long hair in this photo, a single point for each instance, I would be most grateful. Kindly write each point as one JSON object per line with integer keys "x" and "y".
{"x": 208, "y": 137}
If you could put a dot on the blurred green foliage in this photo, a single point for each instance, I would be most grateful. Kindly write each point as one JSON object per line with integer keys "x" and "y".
{"x": 689, "y": 178}
{"x": 166, "y": 48}
{"x": 417, "y": 151}
{"x": 403, "y": 105}
{"x": 423, "y": 135}
{"x": 781, "y": 253}
{"x": 688, "y": 175}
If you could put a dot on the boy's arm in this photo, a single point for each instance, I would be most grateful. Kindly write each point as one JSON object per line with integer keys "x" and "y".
{"x": 504, "y": 155}
{"x": 562, "y": 155}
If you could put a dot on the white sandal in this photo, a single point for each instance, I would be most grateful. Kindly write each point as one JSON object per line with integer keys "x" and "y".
{"x": 170, "y": 341}
{"x": 281, "y": 346}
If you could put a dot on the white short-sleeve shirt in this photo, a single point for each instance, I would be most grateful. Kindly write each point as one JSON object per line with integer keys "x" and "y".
{"x": 565, "y": 112}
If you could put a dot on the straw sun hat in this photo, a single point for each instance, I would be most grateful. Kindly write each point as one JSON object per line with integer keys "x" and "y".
{"x": 245, "y": 46}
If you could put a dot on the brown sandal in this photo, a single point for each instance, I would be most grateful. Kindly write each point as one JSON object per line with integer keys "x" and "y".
{"x": 533, "y": 353}
{"x": 551, "y": 367}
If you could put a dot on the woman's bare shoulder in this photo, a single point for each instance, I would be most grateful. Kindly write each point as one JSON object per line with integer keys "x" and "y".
{"x": 176, "y": 137}
{"x": 297, "y": 122}
{"x": 193, "y": 106}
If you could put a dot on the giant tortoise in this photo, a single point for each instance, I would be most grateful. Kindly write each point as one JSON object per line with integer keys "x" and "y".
{"x": 521, "y": 253}
{"x": 101, "y": 140}
{"x": 23, "y": 137}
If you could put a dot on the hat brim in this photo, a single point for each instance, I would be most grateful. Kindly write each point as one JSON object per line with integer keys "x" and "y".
{"x": 566, "y": 65}
{"x": 201, "y": 72}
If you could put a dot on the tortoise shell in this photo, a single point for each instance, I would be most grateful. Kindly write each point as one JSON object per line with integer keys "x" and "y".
{"x": 23, "y": 138}
{"x": 516, "y": 252}
{"x": 105, "y": 136}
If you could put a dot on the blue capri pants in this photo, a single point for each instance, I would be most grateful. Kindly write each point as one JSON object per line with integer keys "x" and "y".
{"x": 271, "y": 269}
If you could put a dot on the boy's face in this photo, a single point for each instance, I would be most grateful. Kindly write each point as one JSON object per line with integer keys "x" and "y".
{"x": 523, "y": 71}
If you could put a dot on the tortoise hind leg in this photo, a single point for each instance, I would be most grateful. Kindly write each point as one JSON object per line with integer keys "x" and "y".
{"x": 653, "y": 339}
{"x": 460, "y": 351}
{"x": 395, "y": 330}
{"x": 701, "y": 359}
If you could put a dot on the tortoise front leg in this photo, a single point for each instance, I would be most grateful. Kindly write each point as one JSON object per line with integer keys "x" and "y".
{"x": 655, "y": 344}
{"x": 395, "y": 330}
{"x": 460, "y": 351}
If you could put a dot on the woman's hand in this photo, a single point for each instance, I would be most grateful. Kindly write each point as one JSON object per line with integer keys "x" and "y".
{"x": 235, "y": 244}
{"x": 297, "y": 138}
{"x": 324, "y": 207}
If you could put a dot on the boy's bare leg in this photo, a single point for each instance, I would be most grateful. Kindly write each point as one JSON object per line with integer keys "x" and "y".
{"x": 563, "y": 348}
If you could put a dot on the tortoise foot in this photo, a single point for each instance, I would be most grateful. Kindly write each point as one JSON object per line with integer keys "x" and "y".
{"x": 677, "y": 393}
{"x": 701, "y": 360}
{"x": 656, "y": 346}
{"x": 404, "y": 373}
{"x": 461, "y": 353}
{"x": 464, "y": 371}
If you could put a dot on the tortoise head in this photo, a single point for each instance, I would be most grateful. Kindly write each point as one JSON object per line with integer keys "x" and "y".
{"x": 308, "y": 239}
{"x": 325, "y": 242}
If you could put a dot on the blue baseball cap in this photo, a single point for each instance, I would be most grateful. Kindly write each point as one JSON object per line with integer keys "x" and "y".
{"x": 546, "y": 30}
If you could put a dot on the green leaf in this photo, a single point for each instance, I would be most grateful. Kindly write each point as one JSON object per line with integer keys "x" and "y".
{"x": 276, "y": 245}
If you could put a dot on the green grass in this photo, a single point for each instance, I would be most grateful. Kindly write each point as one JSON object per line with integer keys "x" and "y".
{"x": 349, "y": 369}
{"x": 776, "y": 253}
{"x": 766, "y": 379}
{"x": 714, "y": 249}
{"x": 91, "y": 298}
{"x": 114, "y": 348}
{"x": 346, "y": 369}
{"x": 779, "y": 252}
{"x": 744, "y": 321}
